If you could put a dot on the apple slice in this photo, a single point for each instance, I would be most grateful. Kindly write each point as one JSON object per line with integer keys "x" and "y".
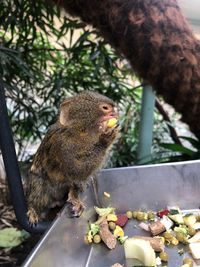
{"x": 195, "y": 250}
{"x": 141, "y": 250}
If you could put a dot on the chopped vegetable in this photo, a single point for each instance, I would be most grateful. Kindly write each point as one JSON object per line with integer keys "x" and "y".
{"x": 168, "y": 236}
{"x": 174, "y": 210}
{"x": 198, "y": 217}
{"x": 162, "y": 213}
{"x": 97, "y": 239}
{"x": 195, "y": 250}
{"x": 156, "y": 228}
{"x": 156, "y": 243}
{"x": 129, "y": 214}
{"x": 151, "y": 215}
{"x": 141, "y": 250}
{"x": 135, "y": 214}
{"x": 111, "y": 218}
{"x": 158, "y": 261}
{"x": 118, "y": 232}
{"x": 108, "y": 228}
{"x": 122, "y": 219}
{"x": 174, "y": 241}
{"x": 87, "y": 240}
{"x": 191, "y": 231}
{"x": 181, "y": 229}
{"x": 195, "y": 238}
{"x": 104, "y": 211}
{"x": 167, "y": 222}
{"x": 144, "y": 226}
{"x": 177, "y": 218}
{"x": 164, "y": 256}
{"x": 189, "y": 220}
{"x": 122, "y": 239}
{"x": 112, "y": 225}
{"x": 196, "y": 226}
{"x": 142, "y": 216}
{"x": 181, "y": 237}
{"x": 188, "y": 261}
{"x": 94, "y": 229}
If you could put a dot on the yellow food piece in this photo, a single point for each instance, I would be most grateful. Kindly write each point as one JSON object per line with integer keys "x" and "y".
{"x": 188, "y": 261}
{"x": 191, "y": 231}
{"x": 118, "y": 232}
{"x": 86, "y": 241}
{"x": 164, "y": 256}
{"x": 129, "y": 214}
{"x": 189, "y": 220}
{"x": 97, "y": 239}
{"x": 168, "y": 236}
{"x": 106, "y": 194}
{"x": 141, "y": 250}
{"x": 112, "y": 225}
{"x": 174, "y": 241}
{"x": 88, "y": 238}
{"x": 111, "y": 122}
{"x": 111, "y": 218}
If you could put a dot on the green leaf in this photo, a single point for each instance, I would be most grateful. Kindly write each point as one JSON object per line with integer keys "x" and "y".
{"x": 178, "y": 148}
{"x": 194, "y": 142}
{"x": 11, "y": 237}
{"x": 104, "y": 211}
{"x": 94, "y": 229}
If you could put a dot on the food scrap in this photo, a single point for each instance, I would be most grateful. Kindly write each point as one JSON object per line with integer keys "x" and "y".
{"x": 106, "y": 194}
{"x": 116, "y": 265}
{"x": 141, "y": 250}
{"x": 167, "y": 227}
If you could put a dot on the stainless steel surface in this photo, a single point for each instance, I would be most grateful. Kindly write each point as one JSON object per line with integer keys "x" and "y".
{"x": 149, "y": 187}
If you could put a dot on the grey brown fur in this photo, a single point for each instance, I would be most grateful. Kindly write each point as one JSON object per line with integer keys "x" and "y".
{"x": 72, "y": 150}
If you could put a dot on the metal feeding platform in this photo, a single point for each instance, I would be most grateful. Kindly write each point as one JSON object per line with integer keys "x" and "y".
{"x": 150, "y": 187}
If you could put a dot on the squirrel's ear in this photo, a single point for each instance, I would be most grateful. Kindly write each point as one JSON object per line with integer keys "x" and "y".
{"x": 64, "y": 111}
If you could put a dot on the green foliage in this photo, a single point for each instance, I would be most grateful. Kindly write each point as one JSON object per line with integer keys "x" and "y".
{"x": 46, "y": 56}
{"x": 11, "y": 237}
{"x": 178, "y": 152}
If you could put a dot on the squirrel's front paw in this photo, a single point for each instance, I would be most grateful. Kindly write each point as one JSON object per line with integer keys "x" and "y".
{"x": 108, "y": 135}
{"x": 75, "y": 208}
{"x": 32, "y": 216}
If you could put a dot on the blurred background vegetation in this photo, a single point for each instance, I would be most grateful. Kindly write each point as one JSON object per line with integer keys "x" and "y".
{"x": 46, "y": 56}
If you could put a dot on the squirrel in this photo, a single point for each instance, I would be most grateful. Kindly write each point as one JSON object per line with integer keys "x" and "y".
{"x": 73, "y": 149}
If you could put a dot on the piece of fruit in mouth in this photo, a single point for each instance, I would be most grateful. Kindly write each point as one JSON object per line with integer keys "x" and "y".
{"x": 111, "y": 122}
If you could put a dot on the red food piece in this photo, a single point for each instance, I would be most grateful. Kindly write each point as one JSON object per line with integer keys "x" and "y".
{"x": 162, "y": 213}
{"x": 121, "y": 219}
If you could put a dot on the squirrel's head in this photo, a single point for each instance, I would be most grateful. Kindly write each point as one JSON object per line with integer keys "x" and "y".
{"x": 87, "y": 110}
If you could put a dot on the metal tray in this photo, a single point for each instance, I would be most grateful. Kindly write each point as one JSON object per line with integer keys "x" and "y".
{"x": 148, "y": 187}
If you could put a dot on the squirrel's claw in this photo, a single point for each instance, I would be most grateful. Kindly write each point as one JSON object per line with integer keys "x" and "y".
{"x": 75, "y": 206}
{"x": 32, "y": 217}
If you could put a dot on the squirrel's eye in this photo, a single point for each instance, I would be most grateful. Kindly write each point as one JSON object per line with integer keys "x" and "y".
{"x": 105, "y": 107}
